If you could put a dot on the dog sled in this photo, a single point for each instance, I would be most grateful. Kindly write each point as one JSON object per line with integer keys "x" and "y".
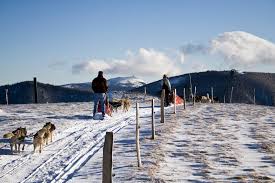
{"x": 179, "y": 100}
{"x": 108, "y": 108}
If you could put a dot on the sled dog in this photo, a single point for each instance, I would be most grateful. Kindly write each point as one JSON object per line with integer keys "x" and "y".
{"x": 38, "y": 141}
{"x": 42, "y": 136}
{"x": 51, "y": 127}
{"x": 126, "y": 104}
{"x": 115, "y": 105}
{"x": 17, "y": 137}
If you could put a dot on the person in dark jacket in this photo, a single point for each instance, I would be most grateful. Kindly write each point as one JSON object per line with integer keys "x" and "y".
{"x": 100, "y": 87}
{"x": 167, "y": 87}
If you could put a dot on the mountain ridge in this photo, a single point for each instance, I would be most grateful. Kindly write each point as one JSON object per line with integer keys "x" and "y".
{"x": 222, "y": 82}
{"x": 115, "y": 84}
{"x": 243, "y": 84}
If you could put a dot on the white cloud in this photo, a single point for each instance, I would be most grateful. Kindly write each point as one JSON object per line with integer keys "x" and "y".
{"x": 243, "y": 49}
{"x": 239, "y": 49}
{"x": 144, "y": 63}
{"x": 93, "y": 66}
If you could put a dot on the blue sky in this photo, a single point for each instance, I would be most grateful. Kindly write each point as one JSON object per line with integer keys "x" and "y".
{"x": 69, "y": 41}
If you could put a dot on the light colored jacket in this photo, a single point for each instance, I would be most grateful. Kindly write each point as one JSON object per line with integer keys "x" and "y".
{"x": 166, "y": 84}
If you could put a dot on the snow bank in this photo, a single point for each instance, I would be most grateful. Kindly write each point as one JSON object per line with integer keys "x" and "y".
{"x": 204, "y": 143}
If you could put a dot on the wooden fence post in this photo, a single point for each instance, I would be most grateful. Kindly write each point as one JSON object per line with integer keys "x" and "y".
{"x": 145, "y": 91}
{"x": 231, "y": 94}
{"x": 191, "y": 88}
{"x": 184, "y": 98}
{"x": 162, "y": 106}
{"x": 7, "y": 96}
{"x": 175, "y": 105}
{"x": 108, "y": 158}
{"x": 153, "y": 119}
{"x": 212, "y": 93}
{"x": 254, "y": 98}
{"x": 194, "y": 96}
{"x": 35, "y": 89}
{"x": 137, "y": 135}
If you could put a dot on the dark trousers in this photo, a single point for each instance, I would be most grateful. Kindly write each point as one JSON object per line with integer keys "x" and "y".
{"x": 167, "y": 98}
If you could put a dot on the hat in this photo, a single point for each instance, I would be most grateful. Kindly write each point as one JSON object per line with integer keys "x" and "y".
{"x": 100, "y": 74}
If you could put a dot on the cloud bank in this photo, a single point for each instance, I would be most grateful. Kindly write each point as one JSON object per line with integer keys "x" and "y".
{"x": 238, "y": 49}
{"x": 145, "y": 62}
{"x": 243, "y": 49}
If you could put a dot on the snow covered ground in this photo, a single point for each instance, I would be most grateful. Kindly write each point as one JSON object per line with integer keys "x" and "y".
{"x": 205, "y": 143}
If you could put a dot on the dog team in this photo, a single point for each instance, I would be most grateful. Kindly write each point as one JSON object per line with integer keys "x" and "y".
{"x": 124, "y": 103}
{"x": 42, "y": 136}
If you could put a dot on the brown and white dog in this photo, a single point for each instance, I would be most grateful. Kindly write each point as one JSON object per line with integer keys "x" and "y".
{"x": 17, "y": 137}
{"x": 51, "y": 127}
{"x": 43, "y": 135}
{"x": 38, "y": 141}
{"x": 126, "y": 104}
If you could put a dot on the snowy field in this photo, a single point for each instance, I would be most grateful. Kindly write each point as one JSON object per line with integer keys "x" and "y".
{"x": 204, "y": 143}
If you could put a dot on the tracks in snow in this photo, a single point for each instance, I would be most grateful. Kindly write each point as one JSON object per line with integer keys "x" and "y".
{"x": 81, "y": 147}
{"x": 25, "y": 159}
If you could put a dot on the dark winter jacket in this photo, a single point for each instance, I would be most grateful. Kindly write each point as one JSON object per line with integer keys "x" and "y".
{"x": 99, "y": 85}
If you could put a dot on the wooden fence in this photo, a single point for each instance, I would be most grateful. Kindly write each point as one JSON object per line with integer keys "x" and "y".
{"x": 108, "y": 145}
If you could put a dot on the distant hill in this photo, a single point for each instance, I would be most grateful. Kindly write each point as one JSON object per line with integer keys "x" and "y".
{"x": 222, "y": 81}
{"x": 125, "y": 83}
{"x": 115, "y": 84}
{"x": 23, "y": 92}
{"x": 79, "y": 86}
